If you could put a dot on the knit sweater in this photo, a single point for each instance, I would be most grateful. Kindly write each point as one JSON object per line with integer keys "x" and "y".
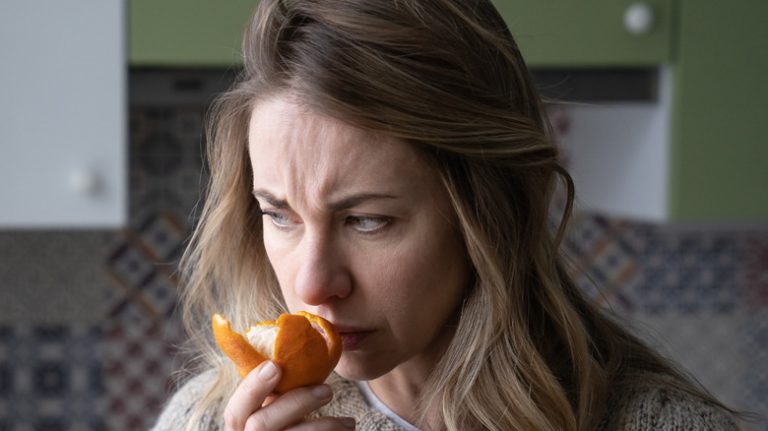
{"x": 644, "y": 409}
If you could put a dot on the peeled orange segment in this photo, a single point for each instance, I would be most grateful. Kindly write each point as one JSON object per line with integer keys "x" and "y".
{"x": 305, "y": 346}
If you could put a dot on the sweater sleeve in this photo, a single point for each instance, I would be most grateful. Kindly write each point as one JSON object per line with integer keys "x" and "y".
{"x": 179, "y": 408}
{"x": 666, "y": 409}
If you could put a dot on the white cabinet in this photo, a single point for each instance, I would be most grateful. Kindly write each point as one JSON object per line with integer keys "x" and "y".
{"x": 63, "y": 114}
{"x": 618, "y": 155}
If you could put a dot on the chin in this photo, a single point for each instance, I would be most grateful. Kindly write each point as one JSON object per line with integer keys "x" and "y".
{"x": 354, "y": 367}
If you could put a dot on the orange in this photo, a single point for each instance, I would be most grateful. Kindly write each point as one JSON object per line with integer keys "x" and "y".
{"x": 305, "y": 346}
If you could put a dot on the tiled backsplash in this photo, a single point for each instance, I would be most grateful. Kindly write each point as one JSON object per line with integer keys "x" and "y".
{"x": 700, "y": 295}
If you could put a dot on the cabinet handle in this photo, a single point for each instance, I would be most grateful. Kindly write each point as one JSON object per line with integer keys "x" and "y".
{"x": 638, "y": 18}
{"x": 85, "y": 182}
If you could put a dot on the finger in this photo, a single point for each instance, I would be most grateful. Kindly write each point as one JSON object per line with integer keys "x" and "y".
{"x": 325, "y": 423}
{"x": 250, "y": 394}
{"x": 290, "y": 408}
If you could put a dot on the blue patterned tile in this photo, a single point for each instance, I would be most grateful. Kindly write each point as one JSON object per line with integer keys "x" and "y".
{"x": 166, "y": 159}
{"x": 162, "y": 236}
{"x": 142, "y": 267}
{"x": 159, "y": 153}
{"x": 140, "y": 365}
{"x": 755, "y": 271}
{"x": 50, "y": 377}
{"x": 160, "y": 294}
{"x": 689, "y": 273}
{"x": 129, "y": 266}
{"x": 605, "y": 265}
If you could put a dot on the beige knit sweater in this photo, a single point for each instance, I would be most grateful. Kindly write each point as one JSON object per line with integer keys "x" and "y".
{"x": 651, "y": 408}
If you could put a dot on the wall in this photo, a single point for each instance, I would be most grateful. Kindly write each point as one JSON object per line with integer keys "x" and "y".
{"x": 89, "y": 336}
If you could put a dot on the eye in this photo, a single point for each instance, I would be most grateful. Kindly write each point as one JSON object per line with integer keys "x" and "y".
{"x": 278, "y": 219}
{"x": 367, "y": 224}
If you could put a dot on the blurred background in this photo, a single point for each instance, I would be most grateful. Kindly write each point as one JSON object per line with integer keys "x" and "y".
{"x": 659, "y": 107}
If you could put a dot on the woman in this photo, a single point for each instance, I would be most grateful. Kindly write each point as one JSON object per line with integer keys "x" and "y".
{"x": 386, "y": 164}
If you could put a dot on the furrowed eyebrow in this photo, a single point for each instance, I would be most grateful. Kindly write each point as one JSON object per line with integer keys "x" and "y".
{"x": 354, "y": 200}
{"x": 271, "y": 199}
{"x": 342, "y": 204}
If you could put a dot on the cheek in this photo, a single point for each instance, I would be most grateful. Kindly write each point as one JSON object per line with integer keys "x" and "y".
{"x": 281, "y": 263}
{"x": 425, "y": 281}
{"x": 279, "y": 249}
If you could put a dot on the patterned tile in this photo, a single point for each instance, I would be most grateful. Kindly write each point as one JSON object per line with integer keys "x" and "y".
{"x": 142, "y": 266}
{"x": 140, "y": 363}
{"x": 162, "y": 236}
{"x": 755, "y": 258}
{"x": 605, "y": 264}
{"x": 166, "y": 159}
{"x": 690, "y": 273}
{"x": 51, "y": 378}
{"x": 699, "y": 296}
{"x": 129, "y": 266}
{"x": 159, "y": 153}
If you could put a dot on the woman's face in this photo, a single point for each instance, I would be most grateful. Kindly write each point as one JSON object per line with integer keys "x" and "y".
{"x": 359, "y": 230}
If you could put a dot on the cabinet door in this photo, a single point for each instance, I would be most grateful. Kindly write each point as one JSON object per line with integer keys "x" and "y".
{"x": 187, "y": 32}
{"x": 62, "y": 114}
{"x": 550, "y": 32}
{"x": 589, "y": 32}
{"x": 719, "y": 145}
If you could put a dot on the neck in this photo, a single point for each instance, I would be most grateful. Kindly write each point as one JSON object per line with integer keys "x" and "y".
{"x": 402, "y": 388}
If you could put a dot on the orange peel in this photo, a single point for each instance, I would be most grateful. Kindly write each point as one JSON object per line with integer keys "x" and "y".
{"x": 306, "y": 347}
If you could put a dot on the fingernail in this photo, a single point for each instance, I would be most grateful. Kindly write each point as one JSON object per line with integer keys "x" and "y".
{"x": 348, "y": 422}
{"x": 267, "y": 371}
{"x": 321, "y": 392}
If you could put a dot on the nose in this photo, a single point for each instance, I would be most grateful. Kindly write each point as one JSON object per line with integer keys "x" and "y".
{"x": 323, "y": 273}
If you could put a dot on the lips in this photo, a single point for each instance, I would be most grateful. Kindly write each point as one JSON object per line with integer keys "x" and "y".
{"x": 352, "y": 340}
{"x": 352, "y": 337}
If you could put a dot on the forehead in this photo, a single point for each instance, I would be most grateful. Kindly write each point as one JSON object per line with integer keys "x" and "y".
{"x": 280, "y": 125}
{"x": 292, "y": 147}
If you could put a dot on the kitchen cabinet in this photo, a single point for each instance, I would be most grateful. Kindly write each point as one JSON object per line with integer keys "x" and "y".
{"x": 704, "y": 158}
{"x": 181, "y": 33}
{"x": 62, "y": 114}
{"x": 591, "y": 33}
{"x": 697, "y": 154}
{"x": 563, "y": 32}
{"x": 719, "y": 135}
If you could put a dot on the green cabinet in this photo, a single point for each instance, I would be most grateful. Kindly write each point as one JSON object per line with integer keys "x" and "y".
{"x": 562, "y": 32}
{"x": 717, "y": 155}
{"x": 719, "y": 148}
{"x": 588, "y": 32}
{"x": 183, "y": 33}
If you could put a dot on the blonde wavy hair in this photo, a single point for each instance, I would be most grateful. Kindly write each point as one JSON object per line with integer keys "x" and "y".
{"x": 447, "y": 77}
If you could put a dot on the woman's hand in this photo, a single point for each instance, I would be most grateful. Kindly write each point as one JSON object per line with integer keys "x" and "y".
{"x": 252, "y": 409}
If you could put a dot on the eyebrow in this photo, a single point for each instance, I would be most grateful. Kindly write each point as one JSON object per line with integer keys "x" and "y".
{"x": 342, "y": 204}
